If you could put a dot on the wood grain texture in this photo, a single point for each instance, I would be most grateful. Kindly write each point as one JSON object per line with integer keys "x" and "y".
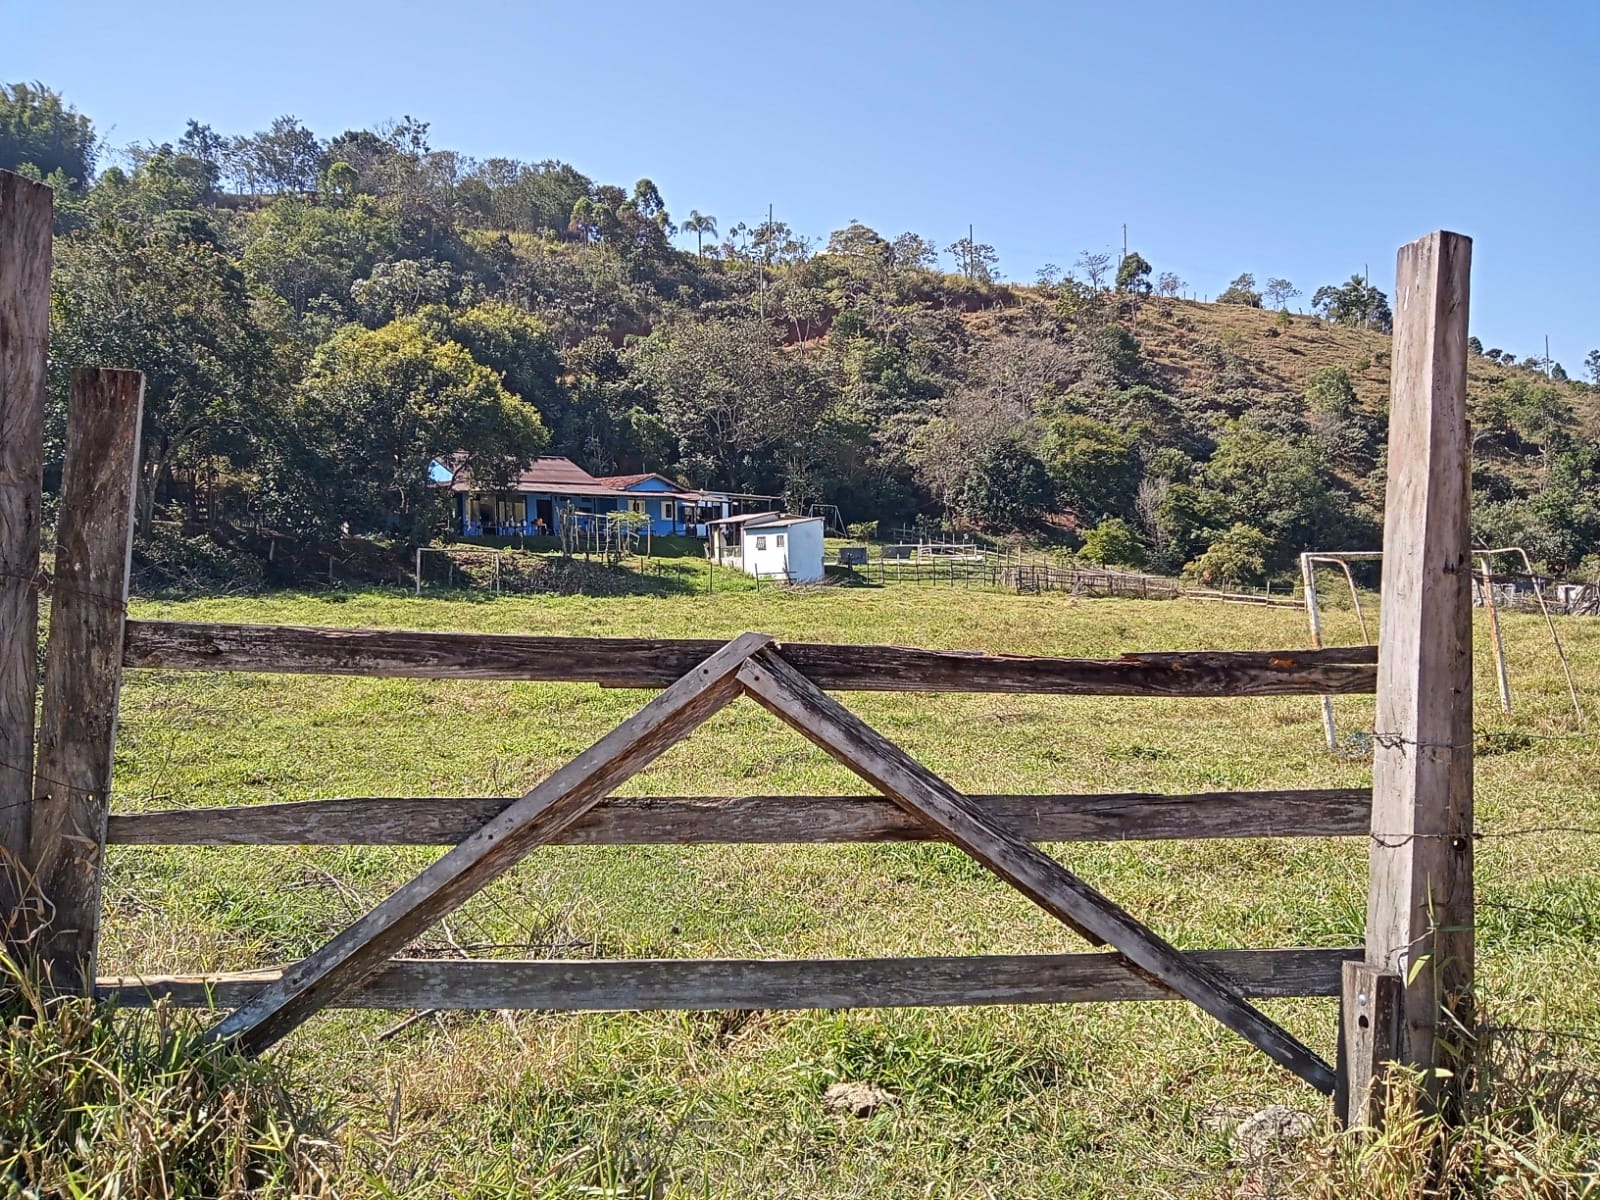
{"x": 782, "y": 690}
{"x": 689, "y": 820}
{"x": 83, "y": 665}
{"x": 1420, "y": 912}
{"x": 733, "y": 984}
{"x": 364, "y": 946}
{"x": 651, "y": 662}
{"x": 1370, "y": 1016}
{"x": 25, "y": 255}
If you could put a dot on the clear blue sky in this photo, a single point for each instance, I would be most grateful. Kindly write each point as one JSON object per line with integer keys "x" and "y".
{"x": 1284, "y": 139}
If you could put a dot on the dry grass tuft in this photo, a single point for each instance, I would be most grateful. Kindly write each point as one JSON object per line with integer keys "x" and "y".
{"x": 96, "y": 1104}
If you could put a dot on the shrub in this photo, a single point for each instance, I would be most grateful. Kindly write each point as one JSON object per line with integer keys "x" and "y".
{"x": 166, "y": 563}
{"x": 863, "y": 531}
{"x": 1235, "y": 557}
{"x": 1114, "y": 543}
{"x": 1242, "y": 291}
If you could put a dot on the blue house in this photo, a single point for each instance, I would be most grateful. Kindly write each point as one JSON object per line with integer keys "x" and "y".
{"x": 554, "y": 490}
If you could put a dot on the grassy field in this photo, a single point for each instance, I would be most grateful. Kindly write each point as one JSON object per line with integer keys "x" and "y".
{"x": 1125, "y": 1100}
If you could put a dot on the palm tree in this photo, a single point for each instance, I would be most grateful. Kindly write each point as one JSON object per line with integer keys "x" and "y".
{"x": 699, "y": 224}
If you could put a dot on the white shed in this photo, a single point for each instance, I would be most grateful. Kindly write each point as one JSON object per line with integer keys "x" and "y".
{"x": 770, "y": 546}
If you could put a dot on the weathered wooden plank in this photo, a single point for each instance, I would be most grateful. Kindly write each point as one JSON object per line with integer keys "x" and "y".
{"x": 1419, "y": 909}
{"x": 25, "y": 254}
{"x": 83, "y": 666}
{"x": 653, "y": 662}
{"x": 690, "y": 820}
{"x": 782, "y": 690}
{"x": 1369, "y": 1041}
{"x": 364, "y": 946}
{"x": 721, "y": 984}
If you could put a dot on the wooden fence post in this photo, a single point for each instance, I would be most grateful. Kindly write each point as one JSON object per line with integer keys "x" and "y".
{"x": 83, "y": 666}
{"x": 1419, "y": 906}
{"x": 25, "y": 252}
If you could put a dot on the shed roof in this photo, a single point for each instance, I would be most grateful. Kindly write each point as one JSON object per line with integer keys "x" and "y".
{"x": 783, "y": 521}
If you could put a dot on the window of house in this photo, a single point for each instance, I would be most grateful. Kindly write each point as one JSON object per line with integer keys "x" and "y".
{"x": 636, "y": 506}
{"x": 761, "y": 543}
{"x": 778, "y": 541}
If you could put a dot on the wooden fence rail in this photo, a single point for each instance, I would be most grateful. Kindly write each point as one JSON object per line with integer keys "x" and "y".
{"x": 566, "y": 985}
{"x": 686, "y": 820}
{"x": 659, "y": 662}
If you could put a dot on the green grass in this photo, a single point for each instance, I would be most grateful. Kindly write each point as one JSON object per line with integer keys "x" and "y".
{"x": 1133, "y": 1099}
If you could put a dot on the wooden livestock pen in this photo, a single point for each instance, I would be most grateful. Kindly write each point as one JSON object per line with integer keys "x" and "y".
{"x": 1403, "y": 993}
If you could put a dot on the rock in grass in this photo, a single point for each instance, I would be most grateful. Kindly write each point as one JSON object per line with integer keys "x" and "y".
{"x": 1272, "y": 1128}
{"x": 857, "y": 1099}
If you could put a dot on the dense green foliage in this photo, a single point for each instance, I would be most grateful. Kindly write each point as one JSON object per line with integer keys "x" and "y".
{"x": 40, "y": 131}
{"x": 320, "y": 319}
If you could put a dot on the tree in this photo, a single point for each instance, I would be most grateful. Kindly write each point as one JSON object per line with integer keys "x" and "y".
{"x": 1276, "y": 484}
{"x": 376, "y": 408}
{"x": 1006, "y": 488}
{"x": 1235, "y": 557}
{"x": 1169, "y": 284}
{"x": 1330, "y": 394}
{"x": 400, "y": 288}
{"x": 1133, "y": 274}
{"x": 1242, "y": 291}
{"x": 284, "y": 157}
{"x": 1280, "y": 292}
{"x": 1474, "y": 345}
{"x": 513, "y": 343}
{"x": 1355, "y": 302}
{"x": 1092, "y": 465}
{"x": 1094, "y": 267}
{"x": 742, "y": 414}
{"x": 913, "y": 252}
{"x": 865, "y": 255}
{"x": 699, "y": 224}
{"x": 976, "y": 260}
{"x": 40, "y": 130}
{"x": 1591, "y": 367}
{"x": 308, "y": 253}
{"x": 180, "y": 311}
{"x": 205, "y": 146}
{"x": 1114, "y": 543}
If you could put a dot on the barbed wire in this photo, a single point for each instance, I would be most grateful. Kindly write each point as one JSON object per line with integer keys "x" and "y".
{"x": 33, "y": 774}
{"x": 46, "y": 584}
{"x": 1396, "y": 841}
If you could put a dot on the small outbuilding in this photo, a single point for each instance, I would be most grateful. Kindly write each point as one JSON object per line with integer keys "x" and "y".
{"x": 769, "y": 545}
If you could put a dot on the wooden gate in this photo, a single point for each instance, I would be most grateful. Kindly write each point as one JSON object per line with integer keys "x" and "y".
{"x": 1409, "y": 984}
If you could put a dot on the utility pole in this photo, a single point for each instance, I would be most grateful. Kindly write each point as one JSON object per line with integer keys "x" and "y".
{"x": 970, "y": 244}
{"x": 766, "y": 257}
{"x": 1124, "y": 247}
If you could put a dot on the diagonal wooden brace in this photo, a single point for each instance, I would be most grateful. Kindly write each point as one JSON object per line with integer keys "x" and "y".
{"x": 784, "y": 691}
{"x": 363, "y": 947}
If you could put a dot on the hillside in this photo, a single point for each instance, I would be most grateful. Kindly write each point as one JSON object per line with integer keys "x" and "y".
{"x": 373, "y": 303}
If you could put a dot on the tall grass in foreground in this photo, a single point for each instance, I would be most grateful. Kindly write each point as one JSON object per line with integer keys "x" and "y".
{"x": 1529, "y": 1129}
{"x": 99, "y": 1104}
